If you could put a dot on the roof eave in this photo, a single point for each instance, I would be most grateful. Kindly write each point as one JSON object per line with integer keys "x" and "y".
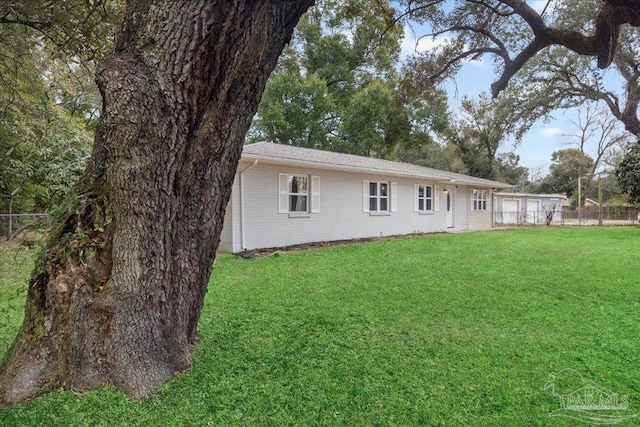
{"x": 345, "y": 168}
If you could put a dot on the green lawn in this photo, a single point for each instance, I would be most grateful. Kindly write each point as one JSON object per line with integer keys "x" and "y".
{"x": 443, "y": 330}
{"x": 16, "y": 262}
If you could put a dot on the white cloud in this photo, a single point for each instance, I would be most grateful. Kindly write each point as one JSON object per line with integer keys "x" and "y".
{"x": 413, "y": 43}
{"x": 484, "y": 62}
{"x": 551, "y": 132}
{"x": 539, "y": 5}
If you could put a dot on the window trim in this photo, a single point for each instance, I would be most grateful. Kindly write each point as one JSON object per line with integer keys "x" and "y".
{"x": 305, "y": 194}
{"x": 424, "y": 198}
{"x": 479, "y": 200}
{"x": 391, "y": 197}
{"x": 378, "y": 197}
{"x": 312, "y": 194}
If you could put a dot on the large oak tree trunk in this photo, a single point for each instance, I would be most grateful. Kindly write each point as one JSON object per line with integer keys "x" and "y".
{"x": 117, "y": 296}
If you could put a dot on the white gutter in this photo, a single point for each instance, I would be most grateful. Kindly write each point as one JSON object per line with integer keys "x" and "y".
{"x": 241, "y": 173}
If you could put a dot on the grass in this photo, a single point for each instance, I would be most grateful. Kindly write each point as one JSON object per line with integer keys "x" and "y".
{"x": 16, "y": 262}
{"x": 442, "y": 330}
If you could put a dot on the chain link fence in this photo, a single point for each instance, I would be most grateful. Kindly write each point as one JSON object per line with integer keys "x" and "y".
{"x": 11, "y": 225}
{"x": 614, "y": 216}
{"x": 529, "y": 217}
{"x": 617, "y": 216}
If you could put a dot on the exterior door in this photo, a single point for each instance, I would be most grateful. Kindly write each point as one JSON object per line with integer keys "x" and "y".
{"x": 449, "y": 196}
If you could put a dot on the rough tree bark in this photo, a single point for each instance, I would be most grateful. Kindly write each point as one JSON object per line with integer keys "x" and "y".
{"x": 116, "y": 297}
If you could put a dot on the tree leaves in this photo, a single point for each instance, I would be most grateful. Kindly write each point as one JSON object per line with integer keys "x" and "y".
{"x": 628, "y": 173}
{"x": 79, "y": 28}
{"x": 568, "y": 166}
{"x": 338, "y": 86}
{"x": 42, "y": 145}
{"x": 514, "y": 33}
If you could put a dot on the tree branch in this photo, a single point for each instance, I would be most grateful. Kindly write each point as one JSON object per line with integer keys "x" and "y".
{"x": 495, "y": 10}
{"x": 472, "y": 52}
{"x": 512, "y": 67}
{"x": 478, "y": 30}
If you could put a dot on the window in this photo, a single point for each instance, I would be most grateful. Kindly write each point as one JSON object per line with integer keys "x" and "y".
{"x": 424, "y": 198}
{"x": 479, "y": 200}
{"x": 299, "y": 193}
{"x": 378, "y": 196}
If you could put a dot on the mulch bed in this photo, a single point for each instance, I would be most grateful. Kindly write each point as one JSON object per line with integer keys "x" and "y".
{"x": 256, "y": 253}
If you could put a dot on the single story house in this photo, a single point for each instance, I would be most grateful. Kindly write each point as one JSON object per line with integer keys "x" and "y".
{"x": 284, "y": 195}
{"x": 526, "y": 208}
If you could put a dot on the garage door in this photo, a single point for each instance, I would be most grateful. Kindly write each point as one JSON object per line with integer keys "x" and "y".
{"x": 510, "y": 211}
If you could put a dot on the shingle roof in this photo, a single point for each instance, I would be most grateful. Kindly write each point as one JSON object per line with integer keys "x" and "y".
{"x": 297, "y": 155}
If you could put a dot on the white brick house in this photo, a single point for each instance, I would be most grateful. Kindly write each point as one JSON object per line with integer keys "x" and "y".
{"x": 284, "y": 195}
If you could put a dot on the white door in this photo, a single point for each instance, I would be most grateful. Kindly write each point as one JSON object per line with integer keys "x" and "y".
{"x": 450, "y": 206}
{"x": 533, "y": 211}
{"x": 510, "y": 209}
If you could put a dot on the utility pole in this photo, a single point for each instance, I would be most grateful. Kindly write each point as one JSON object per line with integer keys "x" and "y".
{"x": 579, "y": 200}
{"x": 599, "y": 201}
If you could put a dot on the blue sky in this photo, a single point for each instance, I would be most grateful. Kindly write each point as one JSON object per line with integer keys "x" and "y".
{"x": 475, "y": 77}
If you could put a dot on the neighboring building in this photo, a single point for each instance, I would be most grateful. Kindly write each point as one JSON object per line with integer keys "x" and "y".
{"x": 285, "y": 195}
{"x": 590, "y": 203}
{"x": 526, "y": 208}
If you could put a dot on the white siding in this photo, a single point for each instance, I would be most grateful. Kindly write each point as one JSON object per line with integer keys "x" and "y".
{"x": 480, "y": 219}
{"x": 230, "y": 237}
{"x": 341, "y": 215}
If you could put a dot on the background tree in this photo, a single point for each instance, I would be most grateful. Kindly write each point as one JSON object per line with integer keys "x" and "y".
{"x": 612, "y": 194}
{"x": 116, "y": 296}
{"x": 77, "y": 28}
{"x": 597, "y": 132}
{"x": 373, "y": 125}
{"x": 628, "y": 173}
{"x": 508, "y": 169}
{"x": 48, "y": 100}
{"x": 484, "y": 125}
{"x": 567, "y": 166}
{"x": 295, "y": 110}
{"x": 513, "y": 33}
{"x": 434, "y": 155}
{"x": 66, "y": 38}
{"x": 598, "y": 135}
{"x": 42, "y": 145}
{"x": 543, "y": 55}
{"x": 562, "y": 78}
{"x": 338, "y": 86}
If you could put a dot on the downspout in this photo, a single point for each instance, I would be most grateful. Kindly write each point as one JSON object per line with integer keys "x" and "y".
{"x": 493, "y": 208}
{"x": 241, "y": 174}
